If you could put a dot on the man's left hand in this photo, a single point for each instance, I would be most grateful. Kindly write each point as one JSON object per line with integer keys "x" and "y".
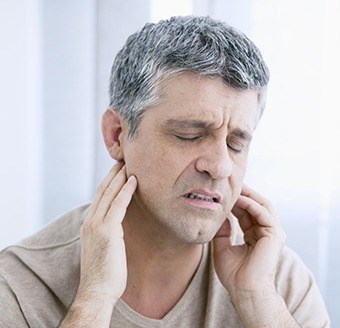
{"x": 251, "y": 266}
{"x": 248, "y": 271}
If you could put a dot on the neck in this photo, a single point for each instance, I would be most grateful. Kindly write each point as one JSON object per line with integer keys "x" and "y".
{"x": 159, "y": 270}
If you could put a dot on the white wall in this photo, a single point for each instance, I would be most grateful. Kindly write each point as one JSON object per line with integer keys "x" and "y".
{"x": 55, "y": 60}
{"x": 116, "y": 20}
{"x": 69, "y": 98}
{"x": 20, "y": 119}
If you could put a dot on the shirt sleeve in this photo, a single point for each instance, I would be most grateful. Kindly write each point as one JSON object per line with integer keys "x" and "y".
{"x": 296, "y": 284}
{"x": 10, "y": 311}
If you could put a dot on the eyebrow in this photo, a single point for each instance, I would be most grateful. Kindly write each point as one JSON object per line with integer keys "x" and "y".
{"x": 242, "y": 134}
{"x": 197, "y": 124}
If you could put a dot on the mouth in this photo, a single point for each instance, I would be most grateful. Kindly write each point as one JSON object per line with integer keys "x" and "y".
{"x": 202, "y": 196}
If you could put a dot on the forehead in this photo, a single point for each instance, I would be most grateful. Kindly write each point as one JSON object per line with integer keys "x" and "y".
{"x": 204, "y": 99}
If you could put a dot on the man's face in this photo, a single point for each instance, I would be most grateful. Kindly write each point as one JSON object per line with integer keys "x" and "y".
{"x": 189, "y": 156}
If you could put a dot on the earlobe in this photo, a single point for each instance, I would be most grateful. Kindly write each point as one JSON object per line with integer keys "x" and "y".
{"x": 112, "y": 129}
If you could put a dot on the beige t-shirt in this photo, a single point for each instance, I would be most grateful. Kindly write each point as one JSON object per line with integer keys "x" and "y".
{"x": 39, "y": 279}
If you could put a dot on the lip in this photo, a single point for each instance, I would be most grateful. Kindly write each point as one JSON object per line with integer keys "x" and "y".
{"x": 204, "y": 192}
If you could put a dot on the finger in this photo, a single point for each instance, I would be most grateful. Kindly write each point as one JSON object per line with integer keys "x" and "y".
{"x": 249, "y": 239}
{"x": 121, "y": 202}
{"x": 244, "y": 219}
{"x": 110, "y": 194}
{"x": 251, "y": 193}
{"x": 267, "y": 234}
{"x": 256, "y": 211}
{"x": 251, "y": 236}
{"x": 258, "y": 232}
{"x": 107, "y": 180}
{"x": 102, "y": 187}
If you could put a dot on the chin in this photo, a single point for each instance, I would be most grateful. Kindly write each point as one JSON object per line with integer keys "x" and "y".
{"x": 204, "y": 238}
{"x": 201, "y": 236}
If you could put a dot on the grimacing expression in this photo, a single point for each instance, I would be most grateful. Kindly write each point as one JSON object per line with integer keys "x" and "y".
{"x": 189, "y": 156}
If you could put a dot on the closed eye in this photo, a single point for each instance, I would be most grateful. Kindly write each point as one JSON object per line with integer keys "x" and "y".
{"x": 236, "y": 146}
{"x": 187, "y": 138}
{"x": 235, "y": 150}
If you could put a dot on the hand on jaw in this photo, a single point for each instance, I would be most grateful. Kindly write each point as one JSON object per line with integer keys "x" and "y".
{"x": 248, "y": 271}
{"x": 104, "y": 267}
{"x": 103, "y": 272}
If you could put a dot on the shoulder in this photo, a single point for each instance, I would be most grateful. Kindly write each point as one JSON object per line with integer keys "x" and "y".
{"x": 9, "y": 307}
{"x": 297, "y": 286}
{"x": 292, "y": 275}
{"x": 294, "y": 282}
{"x": 47, "y": 245}
{"x": 61, "y": 230}
{"x": 56, "y": 236}
{"x": 42, "y": 271}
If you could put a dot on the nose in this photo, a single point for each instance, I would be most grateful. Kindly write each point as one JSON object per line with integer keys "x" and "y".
{"x": 216, "y": 162}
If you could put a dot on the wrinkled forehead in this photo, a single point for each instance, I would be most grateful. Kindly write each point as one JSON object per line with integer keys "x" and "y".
{"x": 206, "y": 99}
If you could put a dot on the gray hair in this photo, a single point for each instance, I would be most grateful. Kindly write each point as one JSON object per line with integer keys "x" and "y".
{"x": 198, "y": 44}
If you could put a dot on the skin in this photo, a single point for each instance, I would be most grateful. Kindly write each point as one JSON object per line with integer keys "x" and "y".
{"x": 204, "y": 160}
{"x": 142, "y": 237}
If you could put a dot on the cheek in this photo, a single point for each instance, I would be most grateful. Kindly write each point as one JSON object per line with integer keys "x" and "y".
{"x": 153, "y": 165}
{"x": 240, "y": 164}
{"x": 236, "y": 179}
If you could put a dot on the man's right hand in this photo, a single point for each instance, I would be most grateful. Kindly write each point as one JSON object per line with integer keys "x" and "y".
{"x": 103, "y": 270}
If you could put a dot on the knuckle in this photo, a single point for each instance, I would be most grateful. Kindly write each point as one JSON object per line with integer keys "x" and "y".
{"x": 88, "y": 225}
{"x": 101, "y": 210}
{"x": 109, "y": 191}
{"x": 118, "y": 202}
{"x": 95, "y": 232}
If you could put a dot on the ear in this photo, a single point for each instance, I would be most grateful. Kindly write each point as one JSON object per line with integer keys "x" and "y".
{"x": 112, "y": 129}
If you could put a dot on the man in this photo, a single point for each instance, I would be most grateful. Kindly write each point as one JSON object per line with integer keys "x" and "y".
{"x": 159, "y": 246}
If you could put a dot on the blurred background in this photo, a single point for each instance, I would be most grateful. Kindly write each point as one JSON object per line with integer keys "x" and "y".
{"x": 55, "y": 60}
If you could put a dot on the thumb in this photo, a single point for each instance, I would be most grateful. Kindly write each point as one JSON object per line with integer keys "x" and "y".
{"x": 222, "y": 240}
